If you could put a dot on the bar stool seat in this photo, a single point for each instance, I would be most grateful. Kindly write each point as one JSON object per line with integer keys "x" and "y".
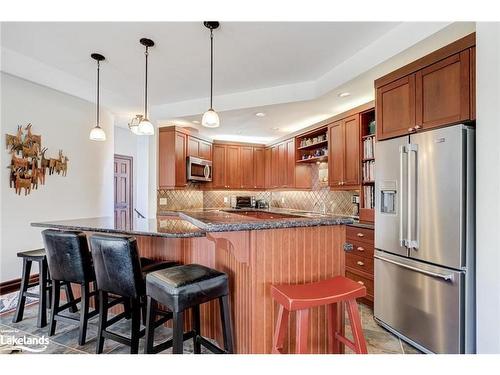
{"x": 302, "y": 297}
{"x": 33, "y": 255}
{"x": 178, "y": 289}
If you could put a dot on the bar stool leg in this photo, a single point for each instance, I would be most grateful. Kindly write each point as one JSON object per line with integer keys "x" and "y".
{"x": 42, "y": 299}
{"x": 178, "y": 334}
{"x": 227, "y": 330}
{"x": 333, "y": 343}
{"x": 136, "y": 326}
{"x": 280, "y": 330}
{"x": 21, "y": 299}
{"x": 84, "y": 312}
{"x": 302, "y": 331}
{"x": 197, "y": 329}
{"x": 103, "y": 319}
{"x": 56, "y": 293}
{"x": 69, "y": 296}
{"x": 150, "y": 325}
{"x": 357, "y": 329}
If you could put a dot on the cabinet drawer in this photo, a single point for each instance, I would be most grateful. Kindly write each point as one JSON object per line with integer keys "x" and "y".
{"x": 360, "y": 234}
{"x": 368, "y": 283}
{"x": 359, "y": 263}
{"x": 364, "y": 249}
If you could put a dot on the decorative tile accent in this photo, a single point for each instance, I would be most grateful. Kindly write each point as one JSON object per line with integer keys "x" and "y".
{"x": 180, "y": 199}
{"x": 215, "y": 198}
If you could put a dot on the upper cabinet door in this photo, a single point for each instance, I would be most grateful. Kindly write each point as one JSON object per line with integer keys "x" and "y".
{"x": 290, "y": 163}
{"x": 180, "y": 159}
{"x": 247, "y": 167}
{"x": 274, "y": 167}
{"x": 442, "y": 92}
{"x": 395, "y": 108}
{"x": 219, "y": 167}
{"x": 352, "y": 163}
{"x": 205, "y": 150}
{"x": 336, "y": 157}
{"x": 473, "y": 83}
{"x": 233, "y": 172}
{"x": 259, "y": 162}
{"x": 193, "y": 147}
{"x": 281, "y": 170}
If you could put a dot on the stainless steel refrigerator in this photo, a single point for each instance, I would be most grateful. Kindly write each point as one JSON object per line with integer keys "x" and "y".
{"x": 424, "y": 239}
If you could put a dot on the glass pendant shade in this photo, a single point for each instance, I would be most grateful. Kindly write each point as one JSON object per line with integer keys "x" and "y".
{"x": 97, "y": 134}
{"x": 146, "y": 127}
{"x": 133, "y": 125}
{"x": 210, "y": 119}
{"x": 134, "y": 129}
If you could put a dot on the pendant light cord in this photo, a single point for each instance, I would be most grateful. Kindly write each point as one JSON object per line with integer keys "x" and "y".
{"x": 146, "y": 86}
{"x": 211, "y": 66}
{"x": 98, "y": 70}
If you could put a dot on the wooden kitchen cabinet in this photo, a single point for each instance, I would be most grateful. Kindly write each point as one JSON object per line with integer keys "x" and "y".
{"x": 290, "y": 164}
{"x": 344, "y": 159}
{"x": 274, "y": 167}
{"x": 267, "y": 167}
{"x": 172, "y": 159}
{"x": 233, "y": 172}
{"x": 199, "y": 148}
{"x": 247, "y": 167}
{"x": 396, "y": 108}
{"x": 259, "y": 165}
{"x": 219, "y": 167}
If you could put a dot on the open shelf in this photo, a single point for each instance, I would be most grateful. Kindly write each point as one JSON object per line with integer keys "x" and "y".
{"x": 314, "y": 160}
{"x": 313, "y": 145}
{"x": 368, "y": 136}
{"x": 368, "y": 186}
{"x": 310, "y": 148}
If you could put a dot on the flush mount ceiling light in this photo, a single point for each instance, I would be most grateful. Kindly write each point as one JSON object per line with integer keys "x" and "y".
{"x": 97, "y": 134}
{"x": 145, "y": 126}
{"x": 260, "y": 114}
{"x": 133, "y": 125}
{"x": 344, "y": 94}
{"x": 210, "y": 118}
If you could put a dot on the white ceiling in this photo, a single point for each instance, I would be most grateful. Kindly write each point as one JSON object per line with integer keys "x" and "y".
{"x": 291, "y": 71}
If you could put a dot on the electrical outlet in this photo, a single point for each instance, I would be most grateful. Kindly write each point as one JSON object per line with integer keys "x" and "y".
{"x": 163, "y": 201}
{"x": 283, "y": 200}
{"x": 226, "y": 200}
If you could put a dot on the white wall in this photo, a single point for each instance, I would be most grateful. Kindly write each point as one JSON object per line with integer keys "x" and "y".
{"x": 64, "y": 122}
{"x": 129, "y": 144}
{"x": 488, "y": 187}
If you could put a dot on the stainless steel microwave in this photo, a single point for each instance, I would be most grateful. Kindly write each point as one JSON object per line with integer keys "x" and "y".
{"x": 199, "y": 169}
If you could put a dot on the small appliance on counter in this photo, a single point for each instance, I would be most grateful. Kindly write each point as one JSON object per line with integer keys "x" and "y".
{"x": 239, "y": 202}
{"x": 261, "y": 204}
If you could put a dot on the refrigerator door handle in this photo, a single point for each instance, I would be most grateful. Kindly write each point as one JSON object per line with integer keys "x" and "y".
{"x": 403, "y": 217}
{"x": 412, "y": 197}
{"x": 446, "y": 277}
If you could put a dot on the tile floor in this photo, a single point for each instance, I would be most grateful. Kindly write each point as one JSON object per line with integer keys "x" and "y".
{"x": 379, "y": 340}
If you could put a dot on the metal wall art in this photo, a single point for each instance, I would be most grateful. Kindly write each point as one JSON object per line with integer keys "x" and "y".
{"x": 29, "y": 165}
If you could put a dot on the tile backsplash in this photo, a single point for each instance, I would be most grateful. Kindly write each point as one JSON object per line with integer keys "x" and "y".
{"x": 336, "y": 202}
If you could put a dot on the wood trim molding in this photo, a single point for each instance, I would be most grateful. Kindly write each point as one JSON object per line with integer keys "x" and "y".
{"x": 464, "y": 43}
{"x": 14, "y": 285}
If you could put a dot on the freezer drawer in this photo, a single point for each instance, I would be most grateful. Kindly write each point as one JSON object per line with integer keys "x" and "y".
{"x": 421, "y": 302}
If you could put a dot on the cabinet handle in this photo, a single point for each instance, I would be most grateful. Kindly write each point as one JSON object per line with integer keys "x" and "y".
{"x": 411, "y": 129}
{"x": 360, "y": 263}
{"x": 360, "y": 248}
{"x": 417, "y": 127}
{"x": 360, "y": 235}
{"x": 360, "y": 282}
{"x": 339, "y": 183}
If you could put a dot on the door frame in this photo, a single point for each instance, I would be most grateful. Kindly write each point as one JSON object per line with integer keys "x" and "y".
{"x": 131, "y": 184}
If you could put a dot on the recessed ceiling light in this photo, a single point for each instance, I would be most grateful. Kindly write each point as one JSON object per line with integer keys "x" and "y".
{"x": 344, "y": 94}
{"x": 196, "y": 122}
{"x": 260, "y": 114}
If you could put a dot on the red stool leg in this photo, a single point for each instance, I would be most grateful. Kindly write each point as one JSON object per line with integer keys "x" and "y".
{"x": 357, "y": 329}
{"x": 302, "y": 331}
{"x": 280, "y": 330}
{"x": 333, "y": 343}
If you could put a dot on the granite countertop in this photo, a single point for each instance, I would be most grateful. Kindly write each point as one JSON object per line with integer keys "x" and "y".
{"x": 170, "y": 227}
{"x": 357, "y": 224}
{"x": 226, "y": 220}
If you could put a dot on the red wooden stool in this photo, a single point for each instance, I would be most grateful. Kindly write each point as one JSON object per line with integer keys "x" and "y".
{"x": 329, "y": 292}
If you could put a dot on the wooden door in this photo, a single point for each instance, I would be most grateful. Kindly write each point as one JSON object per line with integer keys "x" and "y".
{"x": 180, "y": 159}
{"x": 290, "y": 163}
{"x": 233, "y": 173}
{"x": 352, "y": 162}
{"x": 336, "y": 154}
{"x": 259, "y": 162}
{"x": 193, "y": 147}
{"x": 219, "y": 167}
{"x": 274, "y": 167}
{"x": 442, "y": 92}
{"x": 123, "y": 187}
{"x": 281, "y": 171}
{"x": 395, "y": 111}
{"x": 205, "y": 150}
{"x": 247, "y": 167}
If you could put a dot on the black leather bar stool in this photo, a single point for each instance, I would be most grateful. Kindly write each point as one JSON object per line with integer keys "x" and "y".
{"x": 69, "y": 261}
{"x": 180, "y": 288}
{"x": 43, "y": 282}
{"x": 119, "y": 272}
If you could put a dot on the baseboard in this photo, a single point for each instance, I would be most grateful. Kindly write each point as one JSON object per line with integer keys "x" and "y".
{"x": 10, "y": 286}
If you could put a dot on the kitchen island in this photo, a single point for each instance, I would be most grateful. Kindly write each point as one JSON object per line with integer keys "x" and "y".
{"x": 256, "y": 249}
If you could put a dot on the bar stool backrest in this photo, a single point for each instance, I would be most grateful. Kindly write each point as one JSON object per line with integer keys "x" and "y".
{"x": 68, "y": 256}
{"x": 117, "y": 265}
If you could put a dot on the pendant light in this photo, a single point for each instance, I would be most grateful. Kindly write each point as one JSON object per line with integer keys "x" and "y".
{"x": 97, "y": 134}
{"x": 145, "y": 126}
{"x": 210, "y": 118}
{"x": 133, "y": 125}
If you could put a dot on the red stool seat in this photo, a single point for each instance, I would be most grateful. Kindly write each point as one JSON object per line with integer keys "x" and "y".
{"x": 302, "y": 297}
